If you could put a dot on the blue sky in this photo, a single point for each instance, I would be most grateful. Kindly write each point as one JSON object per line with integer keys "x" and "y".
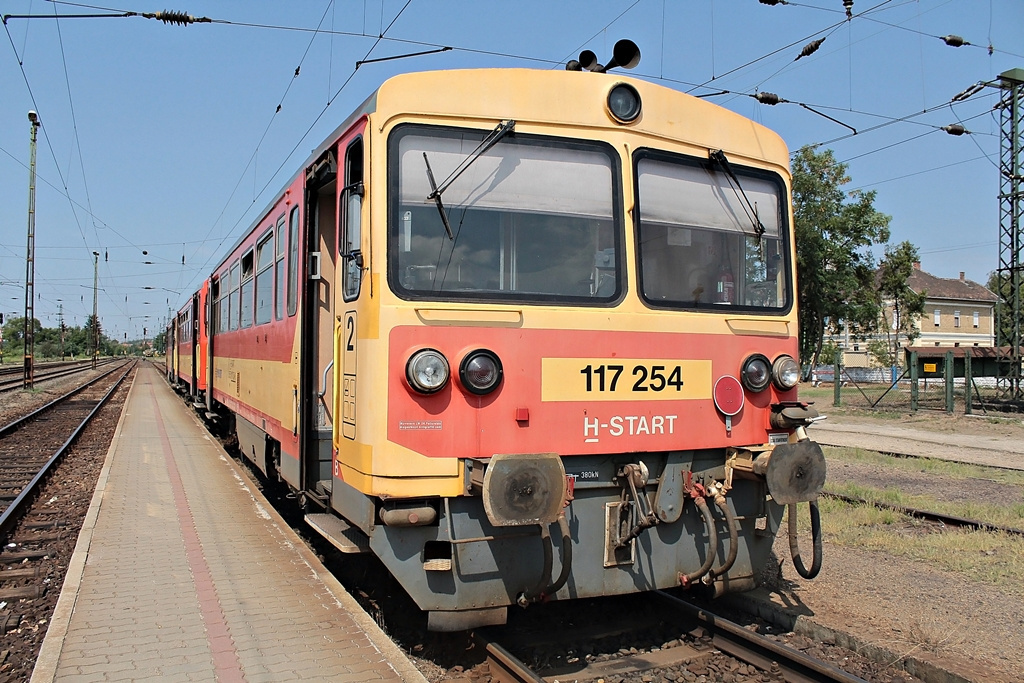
{"x": 164, "y": 139}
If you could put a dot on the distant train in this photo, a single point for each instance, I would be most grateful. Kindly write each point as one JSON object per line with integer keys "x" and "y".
{"x": 524, "y": 335}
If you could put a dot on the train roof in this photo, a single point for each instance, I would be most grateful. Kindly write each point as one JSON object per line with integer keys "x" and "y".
{"x": 533, "y": 95}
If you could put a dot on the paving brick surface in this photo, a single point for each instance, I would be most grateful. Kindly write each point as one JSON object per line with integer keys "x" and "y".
{"x": 183, "y": 572}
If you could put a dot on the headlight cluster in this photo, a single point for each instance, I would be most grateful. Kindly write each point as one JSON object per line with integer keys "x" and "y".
{"x": 758, "y": 372}
{"x": 480, "y": 371}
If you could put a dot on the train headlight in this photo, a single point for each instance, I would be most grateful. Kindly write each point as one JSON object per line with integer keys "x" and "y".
{"x": 624, "y": 103}
{"x": 427, "y": 371}
{"x": 785, "y": 373}
{"x": 756, "y": 373}
{"x": 480, "y": 372}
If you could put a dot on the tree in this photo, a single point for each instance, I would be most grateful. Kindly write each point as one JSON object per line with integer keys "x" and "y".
{"x": 835, "y": 268}
{"x": 160, "y": 342}
{"x": 1002, "y": 286}
{"x": 14, "y": 334}
{"x": 95, "y": 338}
{"x": 902, "y": 307}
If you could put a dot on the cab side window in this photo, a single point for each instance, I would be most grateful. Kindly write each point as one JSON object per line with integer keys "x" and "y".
{"x": 350, "y": 213}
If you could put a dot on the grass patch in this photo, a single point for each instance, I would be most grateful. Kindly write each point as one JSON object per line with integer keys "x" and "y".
{"x": 1012, "y": 516}
{"x": 992, "y": 558}
{"x": 935, "y": 466}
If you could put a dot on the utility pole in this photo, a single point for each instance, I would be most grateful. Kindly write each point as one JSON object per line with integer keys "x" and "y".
{"x": 95, "y": 314}
{"x": 1011, "y": 239}
{"x": 30, "y": 258}
{"x": 60, "y": 316}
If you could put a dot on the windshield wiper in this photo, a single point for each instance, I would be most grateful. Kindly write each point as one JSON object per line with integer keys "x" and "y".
{"x": 718, "y": 156}
{"x": 436, "y": 190}
{"x": 436, "y": 196}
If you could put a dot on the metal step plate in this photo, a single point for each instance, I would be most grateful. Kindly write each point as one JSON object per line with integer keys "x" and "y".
{"x": 340, "y": 533}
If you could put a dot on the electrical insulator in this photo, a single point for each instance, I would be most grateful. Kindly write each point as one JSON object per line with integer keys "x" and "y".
{"x": 848, "y": 5}
{"x": 955, "y": 129}
{"x": 954, "y": 41}
{"x": 177, "y": 18}
{"x": 767, "y": 98}
{"x": 774, "y": 2}
{"x": 810, "y": 48}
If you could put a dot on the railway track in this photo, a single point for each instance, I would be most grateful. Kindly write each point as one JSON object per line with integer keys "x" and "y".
{"x": 12, "y": 378}
{"x": 937, "y": 517}
{"x": 761, "y": 657}
{"x": 32, "y": 446}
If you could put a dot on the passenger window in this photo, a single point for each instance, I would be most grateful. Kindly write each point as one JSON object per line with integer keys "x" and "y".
{"x": 215, "y": 315}
{"x": 233, "y": 298}
{"x": 293, "y": 261}
{"x": 279, "y": 271}
{"x": 264, "y": 279}
{"x": 245, "y": 305}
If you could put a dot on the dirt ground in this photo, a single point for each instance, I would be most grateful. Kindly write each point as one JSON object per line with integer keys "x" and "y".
{"x": 908, "y": 607}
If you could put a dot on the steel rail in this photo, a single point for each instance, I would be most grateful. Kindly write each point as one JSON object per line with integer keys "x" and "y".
{"x": 734, "y": 640}
{"x": 12, "y": 426}
{"x": 504, "y": 666}
{"x": 20, "y": 504}
{"x": 17, "y": 369}
{"x": 56, "y": 373}
{"x": 948, "y": 520}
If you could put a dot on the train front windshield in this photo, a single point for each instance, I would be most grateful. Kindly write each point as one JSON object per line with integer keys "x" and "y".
{"x": 711, "y": 235}
{"x": 539, "y": 219}
{"x": 531, "y": 219}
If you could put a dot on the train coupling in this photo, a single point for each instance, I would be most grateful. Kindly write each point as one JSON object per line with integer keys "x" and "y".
{"x": 795, "y": 416}
{"x": 635, "y": 502}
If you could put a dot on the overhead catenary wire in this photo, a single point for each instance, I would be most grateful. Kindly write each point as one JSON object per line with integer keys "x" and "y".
{"x": 288, "y": 156}
{"x": 386, "y": 38}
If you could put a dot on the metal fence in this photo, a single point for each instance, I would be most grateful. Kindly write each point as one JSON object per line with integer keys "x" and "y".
{"x": 909, "y": 389}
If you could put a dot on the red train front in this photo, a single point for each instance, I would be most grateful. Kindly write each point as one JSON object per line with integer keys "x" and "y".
{"x": 526, "y": 335}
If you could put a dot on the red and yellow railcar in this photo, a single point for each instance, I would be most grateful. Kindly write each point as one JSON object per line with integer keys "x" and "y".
{"x": 188, "y": 339}
{"x": 526, "y": 335}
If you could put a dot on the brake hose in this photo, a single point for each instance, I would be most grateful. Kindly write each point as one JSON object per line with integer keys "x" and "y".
{"x": 794, "y": 546}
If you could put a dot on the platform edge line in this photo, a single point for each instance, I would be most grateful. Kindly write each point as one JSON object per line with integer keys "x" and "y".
{"x": 380, "y": 640}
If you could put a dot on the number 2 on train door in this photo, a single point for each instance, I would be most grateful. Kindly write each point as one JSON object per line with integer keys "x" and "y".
{"x": 348, "y": 415}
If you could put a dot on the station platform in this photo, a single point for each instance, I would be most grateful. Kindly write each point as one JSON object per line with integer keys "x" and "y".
{"x": 182, "y": 572}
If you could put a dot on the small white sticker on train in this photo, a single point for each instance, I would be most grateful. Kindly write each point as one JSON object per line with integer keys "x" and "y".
{"x": 628, "y": 425}
{"x": 429, "y": 425}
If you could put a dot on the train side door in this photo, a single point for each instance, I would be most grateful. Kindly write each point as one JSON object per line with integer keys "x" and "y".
{"x": 194, "y": 343}
{"x": 212, "y": 313}
{"x": 351, "y": 258}
{"x": 318, "y": 326}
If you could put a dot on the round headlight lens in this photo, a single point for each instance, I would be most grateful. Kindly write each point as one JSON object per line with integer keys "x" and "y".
{"x": 757, "y": 373}
{"x": 427, "y": 371}
{"x": 785, "y": 373}
{"x": 480, "y": 372}
{"x": 624, "y": 103}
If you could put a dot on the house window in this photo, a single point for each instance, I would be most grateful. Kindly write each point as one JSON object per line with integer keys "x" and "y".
{"x": 938, "y": 317}
{"x": 956, "y": 318}
{"x": 975, "y": 318}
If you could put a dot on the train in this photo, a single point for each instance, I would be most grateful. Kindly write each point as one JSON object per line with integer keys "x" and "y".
{"x": 524, "y": 336}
